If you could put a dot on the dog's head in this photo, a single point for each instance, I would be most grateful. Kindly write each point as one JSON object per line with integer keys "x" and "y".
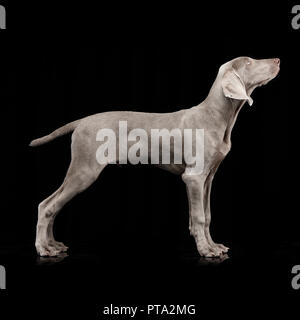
{"x": 242, "y": 75}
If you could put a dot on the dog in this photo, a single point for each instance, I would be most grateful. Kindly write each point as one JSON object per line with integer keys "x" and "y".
{"x": 217, "y": 115}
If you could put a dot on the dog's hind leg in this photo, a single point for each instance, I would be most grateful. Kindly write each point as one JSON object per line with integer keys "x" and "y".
{"x": 83, "y": 171}
{"x": 76, "y": 181}
{"x": 58, "y": 245}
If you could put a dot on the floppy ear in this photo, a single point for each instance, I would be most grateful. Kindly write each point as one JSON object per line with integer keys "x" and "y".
{"x": 233, "y": 86}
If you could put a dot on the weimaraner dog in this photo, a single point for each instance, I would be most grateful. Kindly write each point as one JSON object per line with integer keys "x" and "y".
{"x": 217, "y": 114}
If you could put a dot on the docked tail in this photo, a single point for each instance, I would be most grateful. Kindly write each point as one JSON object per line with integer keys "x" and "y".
{"x": 55, "y": 134}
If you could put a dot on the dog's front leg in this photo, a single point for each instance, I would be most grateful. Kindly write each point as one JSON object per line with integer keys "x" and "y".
{"x": 195, "y": 192}
{"x": 219, "y": 248}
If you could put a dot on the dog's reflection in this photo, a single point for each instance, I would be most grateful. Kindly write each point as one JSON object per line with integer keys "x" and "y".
{"x": 51, "y": 260}
{"x": 203, "y": 261}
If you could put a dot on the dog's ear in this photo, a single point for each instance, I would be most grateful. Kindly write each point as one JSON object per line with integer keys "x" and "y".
{"x": 233, "y": 86}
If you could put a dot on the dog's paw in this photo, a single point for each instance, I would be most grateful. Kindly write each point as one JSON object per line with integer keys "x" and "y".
{"x": 59, "y": 246}
{"x": 46, "y": 250}
{"x": 220, "y": 247}
{"x": 205, "y": 250}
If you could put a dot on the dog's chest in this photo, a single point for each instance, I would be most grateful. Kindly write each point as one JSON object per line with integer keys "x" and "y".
{"x": 215, "y": 154}
{"x": 215, "y": 144}
{"x": 224, "y": 148}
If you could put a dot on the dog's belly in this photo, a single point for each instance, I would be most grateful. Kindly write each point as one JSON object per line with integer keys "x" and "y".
{"x": 173, "y": 168}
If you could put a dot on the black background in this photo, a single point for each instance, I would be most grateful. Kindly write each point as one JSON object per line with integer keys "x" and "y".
{"x": 128, "y": 233}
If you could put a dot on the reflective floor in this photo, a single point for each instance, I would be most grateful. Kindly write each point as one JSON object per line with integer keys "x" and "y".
{"x": 160, "y": 264}
{"x": 97, "y": 278}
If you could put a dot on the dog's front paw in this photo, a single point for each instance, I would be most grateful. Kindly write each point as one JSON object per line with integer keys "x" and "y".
{"x": 59, "y": 246}
{"x": 45, "y": 250}
{"x": 221, "y": 248}
{"x": 205, "y": 250}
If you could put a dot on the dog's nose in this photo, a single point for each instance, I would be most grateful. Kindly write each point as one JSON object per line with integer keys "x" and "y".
{"x": 277, "y": 61}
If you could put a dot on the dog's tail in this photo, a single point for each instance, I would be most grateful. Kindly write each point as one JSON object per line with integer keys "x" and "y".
{"x": 70, "y": 127}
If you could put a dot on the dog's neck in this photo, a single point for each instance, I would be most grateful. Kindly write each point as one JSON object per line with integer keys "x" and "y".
{"x": 225, "y": 108}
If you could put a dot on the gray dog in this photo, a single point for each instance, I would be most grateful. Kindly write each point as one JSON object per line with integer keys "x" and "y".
{"x": 217, "y": 114}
